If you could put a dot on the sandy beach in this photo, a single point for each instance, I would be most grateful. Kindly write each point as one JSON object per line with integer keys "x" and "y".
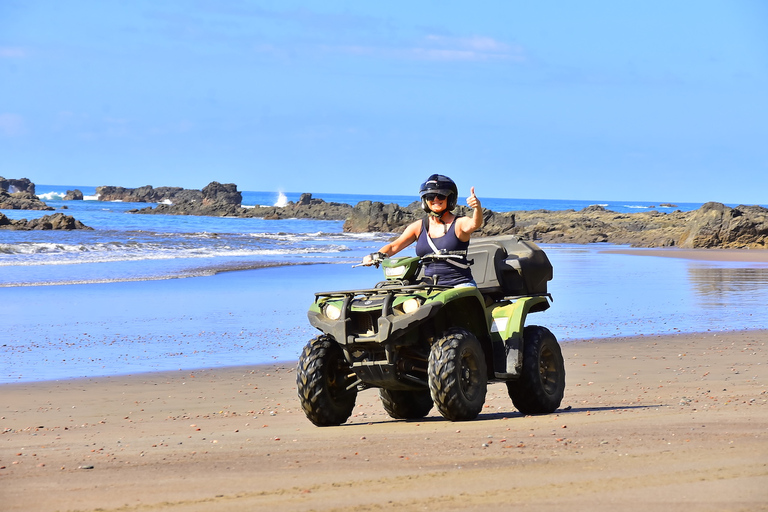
{"x": 669, "y": 422}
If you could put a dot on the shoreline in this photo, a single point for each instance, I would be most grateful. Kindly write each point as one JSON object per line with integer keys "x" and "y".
{"x": 668, "y": 421}
{"x": 711, "y": 254}
{"x": 190, "y": 273}
{"x": 291, "y": 363}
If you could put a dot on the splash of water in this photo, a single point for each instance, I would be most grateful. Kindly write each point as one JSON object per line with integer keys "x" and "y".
{"x": 282, "y": 200}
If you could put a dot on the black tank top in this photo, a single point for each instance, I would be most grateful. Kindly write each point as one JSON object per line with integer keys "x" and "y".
{"x": 449, "y": 274}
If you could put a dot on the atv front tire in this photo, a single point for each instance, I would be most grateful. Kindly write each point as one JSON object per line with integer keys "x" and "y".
{"x": 541, "y": 385}
{"x": 406, "y": 405}
{"x": 458, "y": 377}
{"x": 323, "y": 379}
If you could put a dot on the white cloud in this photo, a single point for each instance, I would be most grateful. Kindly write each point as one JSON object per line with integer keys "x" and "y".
{"x": 476, "y": 48}
{"x": 12, "y": 125}
{"x": 437, "y": 48}
{"x": 11, "y": 52}
{"x": 440, "y": 48}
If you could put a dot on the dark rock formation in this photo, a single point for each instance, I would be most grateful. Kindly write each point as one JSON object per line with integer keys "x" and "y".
{"x": 46, "y": 222}
{"x": 194, "y": 208}
{"x": 595, "y": 224}
{"x": 716, "y": 225}
{"x": 147, "y": 194}
{"x": 218, "y": 193}
{"x": 214, "y": 193}
{"x": 74, "y": 195}
{"x": 379, "y": 217}
{"x": 21, "y": 185}
{"x": 306, "y": 208}
{"x": 21, "y": 201}
{"x": 713, "y": 225}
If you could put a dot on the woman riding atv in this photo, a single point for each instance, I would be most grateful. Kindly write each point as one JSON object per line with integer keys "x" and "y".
{"x": 441, "y": 232}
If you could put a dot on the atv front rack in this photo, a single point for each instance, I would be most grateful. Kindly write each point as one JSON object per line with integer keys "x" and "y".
{"x": 384, "y": 288}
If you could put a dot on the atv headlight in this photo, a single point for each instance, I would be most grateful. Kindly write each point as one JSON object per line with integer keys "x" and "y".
{"x": 411, "y": 305}
{"x": 332, "y": 311}
{"x": 401, "y": 268}
{"x": 395, "y": 272}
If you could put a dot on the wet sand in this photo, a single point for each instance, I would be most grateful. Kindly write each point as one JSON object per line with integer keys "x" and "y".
{"x": 664, "y": 422}
{"x": 743, "y": 255}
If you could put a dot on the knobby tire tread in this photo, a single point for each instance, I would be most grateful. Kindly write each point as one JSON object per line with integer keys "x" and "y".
{"x": 445, "y": 382}
{"x": 322, "y": 392}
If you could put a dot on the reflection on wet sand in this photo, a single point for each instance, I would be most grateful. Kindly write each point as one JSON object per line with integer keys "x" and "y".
{"x": 602, "y": 292}
{"x": 753, "y": 255}
{"x": 718, "y": 287}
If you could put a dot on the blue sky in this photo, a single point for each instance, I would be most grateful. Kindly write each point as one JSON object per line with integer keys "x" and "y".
{"x": 637, "y": 100}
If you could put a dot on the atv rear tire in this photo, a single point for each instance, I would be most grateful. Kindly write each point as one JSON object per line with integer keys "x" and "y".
{"x": 406, "y": 405}
{"x": 541, "y": 385}
{"x": 458, "y": 376}
{"x": 322, "y": 378}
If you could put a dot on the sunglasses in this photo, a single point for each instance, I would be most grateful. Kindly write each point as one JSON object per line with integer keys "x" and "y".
{"x": 431, "y": 197}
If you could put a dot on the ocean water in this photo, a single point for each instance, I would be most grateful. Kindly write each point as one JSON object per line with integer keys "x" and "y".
{"x": 155, "y": 292}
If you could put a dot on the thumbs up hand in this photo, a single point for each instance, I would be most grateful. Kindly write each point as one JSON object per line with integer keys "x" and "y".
{"x": 472, "y": 201}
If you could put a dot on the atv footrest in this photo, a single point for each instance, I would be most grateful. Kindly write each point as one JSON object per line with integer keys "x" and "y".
{"x": 383, "y": 362}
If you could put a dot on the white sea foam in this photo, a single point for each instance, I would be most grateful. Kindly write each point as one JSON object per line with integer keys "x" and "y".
{"x": 37, "y": 254}
{"x": 51, "y": 196}
{"x": 320, "y": 236}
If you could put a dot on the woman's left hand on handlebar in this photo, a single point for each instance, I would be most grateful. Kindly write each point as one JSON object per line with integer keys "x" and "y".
{"x": 373, "y": 259}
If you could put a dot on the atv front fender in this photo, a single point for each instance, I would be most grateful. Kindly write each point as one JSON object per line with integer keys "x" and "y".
{"x": 508, "y": 322}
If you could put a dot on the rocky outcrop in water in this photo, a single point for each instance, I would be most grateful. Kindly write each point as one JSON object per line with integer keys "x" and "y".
{"x": 147, "y": 194}
{"x": 713, "y": 225}
{"x": 74, "y": 195}
{"x": 221, "y": 193}
{"x": 716, "y": 225}
{"x": 306, "y": 208}
{"x": 21, "y": 201}
{"x": 17, "y": 185}
{"x": 46, "y": 222}
{"x": 215, "y": 195}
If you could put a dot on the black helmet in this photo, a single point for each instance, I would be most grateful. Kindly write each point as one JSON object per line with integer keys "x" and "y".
{"x": 439, "y": 184}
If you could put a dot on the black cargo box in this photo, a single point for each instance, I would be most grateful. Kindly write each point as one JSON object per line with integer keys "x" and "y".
{"x": 505, "y": 266}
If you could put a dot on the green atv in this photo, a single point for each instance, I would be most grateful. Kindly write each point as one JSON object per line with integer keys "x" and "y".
{"x": 421, "y": 343}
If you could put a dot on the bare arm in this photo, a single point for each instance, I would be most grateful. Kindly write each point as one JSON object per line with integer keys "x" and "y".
{"x": 465, "y": 226}
{"x": 409, "y": 236}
